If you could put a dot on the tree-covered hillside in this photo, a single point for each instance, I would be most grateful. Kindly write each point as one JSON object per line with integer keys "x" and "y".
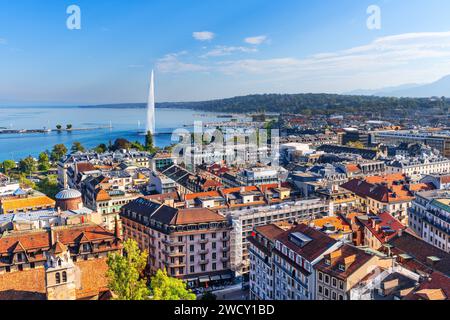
{"x": 307, "y": 103}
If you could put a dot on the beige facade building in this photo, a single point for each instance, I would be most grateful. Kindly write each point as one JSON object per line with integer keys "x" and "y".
{"x": 192, "y": 244}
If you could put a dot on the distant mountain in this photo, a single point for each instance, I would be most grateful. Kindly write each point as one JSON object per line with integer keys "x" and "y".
{"x": 438, "y": 88}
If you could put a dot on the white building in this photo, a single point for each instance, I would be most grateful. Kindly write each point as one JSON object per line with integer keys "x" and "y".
{"x": 429, "y": 217}
{"x": 419, "y": 166}
{"x": 244, "y": 220}
{"x": 296, "y": 253}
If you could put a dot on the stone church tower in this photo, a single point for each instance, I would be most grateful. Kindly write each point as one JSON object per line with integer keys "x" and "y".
{"x": 60, "y": 274}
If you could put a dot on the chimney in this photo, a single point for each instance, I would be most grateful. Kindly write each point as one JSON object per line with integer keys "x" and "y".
{"x": 52, "y": 236}
{"x": 116, "y": 228}
{"x": 377, "y": 227}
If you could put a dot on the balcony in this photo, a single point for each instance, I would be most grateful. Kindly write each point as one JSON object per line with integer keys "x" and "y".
{"x": 206, "y": 261}
{"x": 205, "y": 251}
{"x": 174, "y": 264}
{"x": 227, "y": 238}
{"x": 225, "y": 259}
{"x": 225, "y": 249}
{"x": 203, "y": 241}
{"x": 177, "y": 254}
{"x": 173, "y": 242}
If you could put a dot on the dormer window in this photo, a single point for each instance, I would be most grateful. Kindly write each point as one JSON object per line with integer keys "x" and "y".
{"x": 328, "y": 262}
{"x": 341, "y": 267}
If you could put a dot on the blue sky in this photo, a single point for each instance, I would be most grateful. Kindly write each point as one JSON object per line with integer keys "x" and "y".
{"x": 204, "y": 49}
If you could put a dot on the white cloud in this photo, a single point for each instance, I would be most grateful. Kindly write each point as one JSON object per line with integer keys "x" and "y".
{"x": 203, "y": 35}
{"x": 387, "y": 61}
{"x": 170, "y": 63}
{"x": 256, "y": 40}
{"x": 220, "y": 51}
{"x": 3, "y": 41}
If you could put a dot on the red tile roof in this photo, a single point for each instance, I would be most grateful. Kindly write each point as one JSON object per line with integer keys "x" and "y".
{"x": 319, "y": 244}
{"x": 386, "y": 220}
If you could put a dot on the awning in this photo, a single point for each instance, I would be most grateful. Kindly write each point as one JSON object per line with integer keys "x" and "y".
{"x": 215, "y": 278}
{"x": 191, "y": 279}
{"x": 204, "y": 279}
{"x": 226, "y": 276}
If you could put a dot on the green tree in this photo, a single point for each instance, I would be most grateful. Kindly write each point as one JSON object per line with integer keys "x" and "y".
{"x": 121, "y": 144}
{"x": 58, "y": 127}
{"x": 167, "y": 288}
{"x": 58, "y": 152}
{"x": 24, "y": 181}
{"x": 125, "y": 273}
{"x": 8, "y": 165}
{"x": 101, "y": 148}
{"x": 48, "y": 186}
{"x": 149, "y": 142}
{"x": 69, "y": 127}
{"x": 43, "y": 161}
{"x": 27, "y": 165}
{"x": 356, "y": 144}
{"x": 138, "y": 146}
{"x": 77, "y": 146}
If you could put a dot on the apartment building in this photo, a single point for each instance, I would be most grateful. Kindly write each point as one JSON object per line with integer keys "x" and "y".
{"x": 296, "y": 253}
{"x": 379, "y": 229}
{"x": 437, "y": 140}
{"x": 389, "y": 193}
{"x": 245, "y": 219}
{"x": 343, "y": 269}
{"x": 419, "y": 166}
{"x": 191, "y": 244}
{"x": 429, "y": 218}
{"x": 261, "y": 273}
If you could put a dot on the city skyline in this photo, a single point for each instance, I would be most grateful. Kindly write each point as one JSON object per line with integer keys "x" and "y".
{"x": 215, "y": 50}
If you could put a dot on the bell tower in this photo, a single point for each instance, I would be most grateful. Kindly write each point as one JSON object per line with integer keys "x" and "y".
{"x": 60, "y": 276}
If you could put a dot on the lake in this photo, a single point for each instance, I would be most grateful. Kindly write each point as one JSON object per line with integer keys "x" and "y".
{"x": 128, "y": 123}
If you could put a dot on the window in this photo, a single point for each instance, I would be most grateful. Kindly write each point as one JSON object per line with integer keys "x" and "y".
{"x": 180, "y": 239}
{"x": 320, "y": 289}
{"x": 320, "y": 276}
{"x": 334, "y": 296}
{"x": 64, "y": 277}
{"x": 58, "y": 278}
{"x": 192, "y": 258}
{"x": 327, "y": 293}
{"x": 203, "y": 267}
{"x": 192, "y": 269}
{"x": 214, "y": 266}
{"x": 214, "y": 245}
{"x": 214, "y": 235}
{"x": 191, "y": 238}
{"x": 334, "y": 282}
{"x": 327, "y": 279}
{"x": 203, "y": 236}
